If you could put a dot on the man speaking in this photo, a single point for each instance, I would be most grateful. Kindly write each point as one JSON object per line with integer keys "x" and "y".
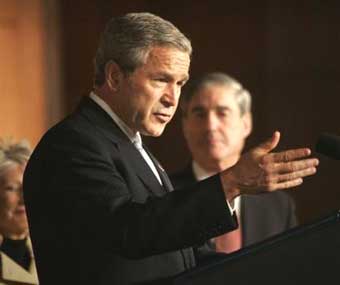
{"x": 101, "y": 210}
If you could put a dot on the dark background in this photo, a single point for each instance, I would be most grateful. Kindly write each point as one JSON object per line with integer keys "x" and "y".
{"x": 285, "y": 52}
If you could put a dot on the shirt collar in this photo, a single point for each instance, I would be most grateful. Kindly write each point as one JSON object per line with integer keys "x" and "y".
{"x": 199, "y": 172}
{"x": 135, "y": 137}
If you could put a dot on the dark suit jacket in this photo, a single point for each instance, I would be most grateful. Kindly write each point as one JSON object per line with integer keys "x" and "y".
{"x": 262, "y": 216}
{"x": 98, "y": 215}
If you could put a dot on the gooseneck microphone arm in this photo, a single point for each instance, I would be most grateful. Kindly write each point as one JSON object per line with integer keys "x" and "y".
{"x": 329, "y": 145}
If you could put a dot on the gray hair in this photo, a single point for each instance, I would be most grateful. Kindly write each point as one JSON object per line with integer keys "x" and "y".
{"x": 128, "y": 39}
{"x": 242, "y": 96}
{"x": 13, "y": 153}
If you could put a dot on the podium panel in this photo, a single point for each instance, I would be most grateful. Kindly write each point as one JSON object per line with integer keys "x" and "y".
{"x": 309, "y": 254}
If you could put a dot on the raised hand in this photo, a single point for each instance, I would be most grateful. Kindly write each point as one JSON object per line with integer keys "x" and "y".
{"x": 261, "y": 170}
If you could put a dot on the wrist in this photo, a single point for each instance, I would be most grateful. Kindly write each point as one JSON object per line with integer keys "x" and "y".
{"x": 230, "y": 185}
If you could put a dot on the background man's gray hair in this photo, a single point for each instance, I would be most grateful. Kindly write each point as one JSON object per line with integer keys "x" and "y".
{"x": 128, "y": 39}
{"x": 242, "y": 96}
{"x": 13, "y": 153}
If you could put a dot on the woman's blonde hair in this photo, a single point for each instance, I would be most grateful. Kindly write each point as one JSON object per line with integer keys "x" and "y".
{"x": 11, "y": 153}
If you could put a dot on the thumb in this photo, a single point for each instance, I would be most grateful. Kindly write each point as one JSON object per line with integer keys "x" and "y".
{"x": 269, "y": 144}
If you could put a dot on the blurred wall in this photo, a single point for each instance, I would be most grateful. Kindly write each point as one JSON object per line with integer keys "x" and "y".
{"x": 285, "y": 52}
{"x": 29, "y": 74}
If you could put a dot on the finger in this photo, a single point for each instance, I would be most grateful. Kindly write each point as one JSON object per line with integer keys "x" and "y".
{"x": 269, "y": 144}
{"x": 287, "y": 155}
{"x": 285, "y": 185}
{"x": 270, "y": 179}
{"x": 286, "y": 167}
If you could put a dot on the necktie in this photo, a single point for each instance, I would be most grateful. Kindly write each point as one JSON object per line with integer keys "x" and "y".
{"x": 229, "y": 242}
{"x": 139, "y": 146}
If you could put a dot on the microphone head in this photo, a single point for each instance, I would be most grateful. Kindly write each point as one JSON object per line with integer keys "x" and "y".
{"x": 329, "y": 145}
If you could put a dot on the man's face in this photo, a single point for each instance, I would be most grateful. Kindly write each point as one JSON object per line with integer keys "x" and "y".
{"x": 214, "y": 128}
{"x": 148, "y": 97}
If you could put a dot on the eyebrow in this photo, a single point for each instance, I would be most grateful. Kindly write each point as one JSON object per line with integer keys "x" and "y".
{"x": 168, "y": 76}
{"x": 198, "y": 109}
{"x": 218, "y": 108}
{"x": 223, "y": 108}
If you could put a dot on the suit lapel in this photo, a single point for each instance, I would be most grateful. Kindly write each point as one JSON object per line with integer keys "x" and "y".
{"x": 101, "y": 121}
{"x": 107, "y": 127}
{"x": 189, "y": 175}
{"x": 141, "y": 168}
{"x": 164, "y": 177}
{"x": 249, "y": 209}
{"x": 11, "y": 271}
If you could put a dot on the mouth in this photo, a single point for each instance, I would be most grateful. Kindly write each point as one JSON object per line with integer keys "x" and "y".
{"x": 163, "y": 117}
{"x": 212, "y": 141}
{"x": 20, "y": 210}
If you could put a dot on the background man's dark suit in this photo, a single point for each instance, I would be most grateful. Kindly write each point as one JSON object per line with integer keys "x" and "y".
{"x": 262, "y": 216}
{"x": 95, "y": 213}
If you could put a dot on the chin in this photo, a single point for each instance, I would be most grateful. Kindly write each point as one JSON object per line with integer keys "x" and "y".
{"x": 153, "y": 132}
{"x": 22, "y": 227}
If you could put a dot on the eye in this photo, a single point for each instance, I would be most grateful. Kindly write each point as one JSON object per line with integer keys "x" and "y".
{"x": 161, "y": 80}
{"x": 181, "y": 83}
{"x": 223, "y": 114}
{"x": 200, "y": 114}
{"x": 10, "y": 188}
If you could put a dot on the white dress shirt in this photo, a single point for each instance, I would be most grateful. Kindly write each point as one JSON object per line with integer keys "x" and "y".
{"x": 135, "y": 137}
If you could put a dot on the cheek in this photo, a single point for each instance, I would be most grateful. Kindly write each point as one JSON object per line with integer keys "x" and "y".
{"x": 232, "y": 129}
{"x": 9, "y": 201}
{"x": 192, "y": 133}
{"x": 144, "y": 104}
{"x": 6, "y": 209}
{"x": 234, "y": 138}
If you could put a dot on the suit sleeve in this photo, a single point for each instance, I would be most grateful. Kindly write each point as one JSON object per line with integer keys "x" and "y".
{"x": 292, "y": 219}
{"x": 90, "y": 201}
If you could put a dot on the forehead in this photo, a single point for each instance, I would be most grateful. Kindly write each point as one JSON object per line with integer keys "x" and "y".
{"x": 212, "y": 95}
{"x": 12, "y": 172}
{"x": 168, "y": 59}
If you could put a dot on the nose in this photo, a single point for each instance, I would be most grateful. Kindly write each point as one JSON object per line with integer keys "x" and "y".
{"x": 171, "y": 95}
{"x": 211, "y": 121}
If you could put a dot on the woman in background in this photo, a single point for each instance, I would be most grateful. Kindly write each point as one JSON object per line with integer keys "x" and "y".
{"x": 16, "y": 258}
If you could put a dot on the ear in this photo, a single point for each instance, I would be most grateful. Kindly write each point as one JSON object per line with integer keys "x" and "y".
{"x": 247, "y": 123}
{"x": 113, "y": 75}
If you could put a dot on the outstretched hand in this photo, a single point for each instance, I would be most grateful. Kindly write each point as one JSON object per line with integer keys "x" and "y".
{"x": 261, "y": 170}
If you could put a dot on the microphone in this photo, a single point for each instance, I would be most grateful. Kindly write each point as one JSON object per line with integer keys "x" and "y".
{"x": 329, "y": 145}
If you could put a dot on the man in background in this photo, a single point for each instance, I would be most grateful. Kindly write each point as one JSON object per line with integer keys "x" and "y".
{"x": 216, "y": 120}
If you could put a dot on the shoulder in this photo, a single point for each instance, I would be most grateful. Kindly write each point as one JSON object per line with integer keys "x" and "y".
{"x": 79, "y": 133}
{"x": 183, "y": 178}
{"x": 69, "y": 146}
{"x": 66, "y": 138}
{"x": 13, "y": 273}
